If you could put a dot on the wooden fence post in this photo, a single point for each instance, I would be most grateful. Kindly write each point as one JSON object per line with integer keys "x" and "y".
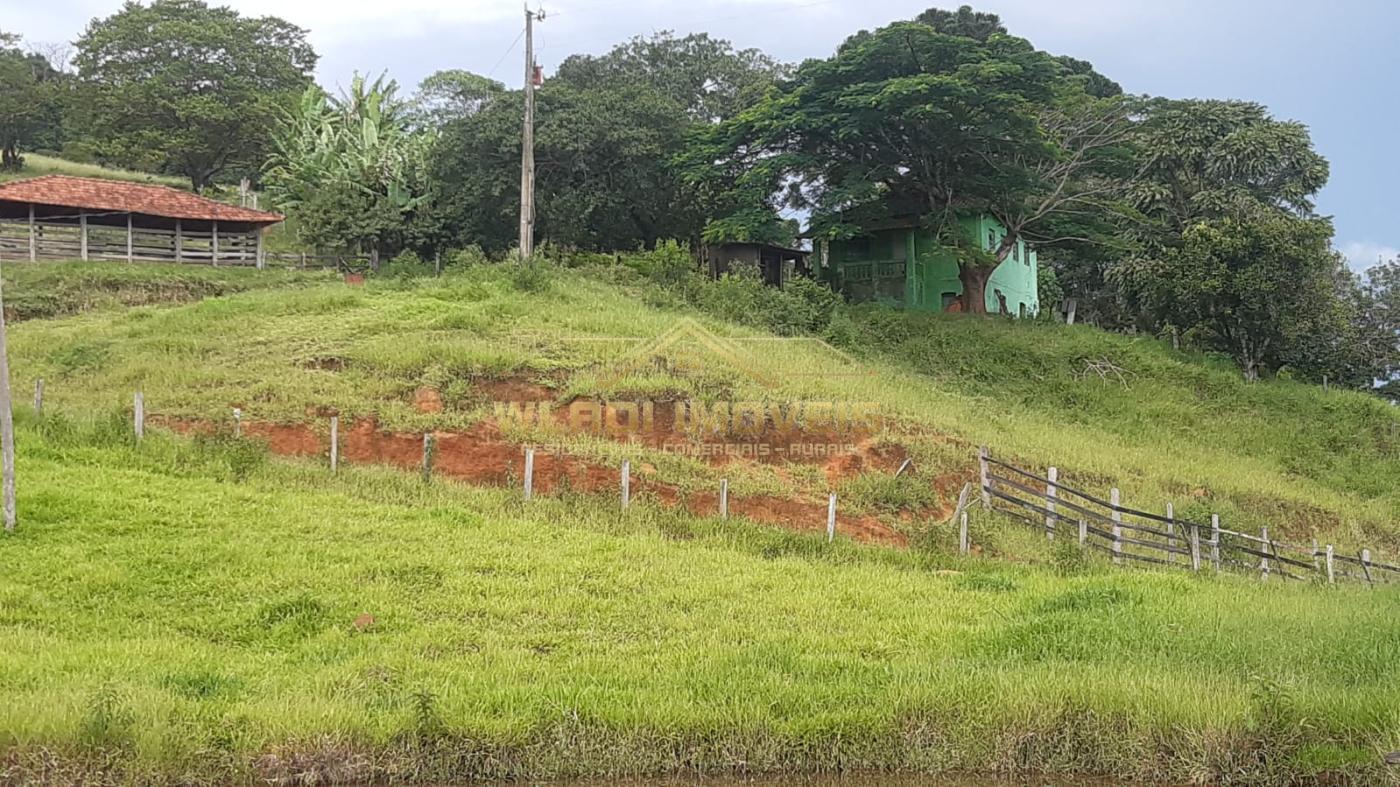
{"x": 427, "y": 456}
{"x": 130, "y": 245}
{"x": 982, "y": 455}
{"x": 1052, "y": 491}
{"x": 33, "y": 236}
{"x": 529, "y": 473}
{"x": 1366, "y": 566}
{"x": 39, "y": 396}
{"x": 1215, "y": 541}
{"x": 139, "y": 414}
{"x": 1264, "y": 561}
{"x": 963, "y": 545}
{"x": 1195, "y": 547}
{"x": 1115, "y": 498}
{"x": 335, "y": 442}
{"x": 179, "y": 242}
{"x": 237, "y": 422}
{"x": 626, "y": 483}
{"x": 1317, "y": 566}
{"x": 82, "y": 236}
{"x": 1171, "y": 532}
{"x": 724, "y": 498}
{"x": 831, "y": 517}
{"x": 1331, "y": 576}
{"x": 1083, "y": 532}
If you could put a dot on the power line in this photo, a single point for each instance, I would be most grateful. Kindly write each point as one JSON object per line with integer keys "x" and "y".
{"x": 506, "y": 54}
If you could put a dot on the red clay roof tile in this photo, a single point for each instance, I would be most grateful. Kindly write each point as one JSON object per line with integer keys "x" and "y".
{"x": 119, "y": 196}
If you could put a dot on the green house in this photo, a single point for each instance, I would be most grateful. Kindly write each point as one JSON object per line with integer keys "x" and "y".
{"x": 901, "y": 264}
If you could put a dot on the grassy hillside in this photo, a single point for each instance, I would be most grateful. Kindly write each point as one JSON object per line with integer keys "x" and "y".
{"x": 193, "y": 612}
{"x": 40, "y": 290}
{"x": 185, "y": 609}
{"x": 36, "y": 165}
{"x": 1167, "y": 426}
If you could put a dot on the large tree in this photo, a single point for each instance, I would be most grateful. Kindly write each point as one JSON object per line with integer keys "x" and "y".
{"x": 1261, "y": 288}
{"x": 928, "y": 119}
{"x": 31, "y": 102}
{"x": 183, "y": 87}
{"x": 607, "y": 131}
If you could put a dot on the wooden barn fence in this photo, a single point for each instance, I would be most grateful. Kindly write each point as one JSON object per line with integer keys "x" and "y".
{"x": 77, "y": 239}
{"x": 1130, "y": 536}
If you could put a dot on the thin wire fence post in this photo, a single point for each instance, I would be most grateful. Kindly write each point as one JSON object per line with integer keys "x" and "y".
{"x": 724, "y": 498}
{"x": 529, "y": 473}
{"x": 335, "y": 443}
{"x": 831, "y": 518}
{"x": 626, "y": 483}
{"x": 1052, "y": 491}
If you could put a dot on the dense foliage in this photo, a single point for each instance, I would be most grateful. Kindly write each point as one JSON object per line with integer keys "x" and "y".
{"x": 350, "y": 170}
{"x": 182, "y": 87}
{"x": 1187, "y": 219}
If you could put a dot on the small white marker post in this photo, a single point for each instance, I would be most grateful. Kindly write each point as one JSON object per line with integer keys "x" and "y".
{"x": 529, "y": 473}
{"x": 1171, "y": 532}
{"x": 1366, "y": 566}
{"x": 1195, "y": 548}
{"x": 237, "y": 422}
{"x": 39, "y": 396}
{"x": 1215, "y": 541}
{"x": 963, "y": 545}
{"x": 831, "y": 517}
{"x": 427, "y": 457}
{"x": 335, "y": 442}
{"x": 1331, "y": 576}
{"x": 724, "y": 498}
{"x": 626, "y": 483}
{"x": 1083, "y": 532}
{"x": 1052, "y": 491}
{"x": 1264, "y": 561}
{"x": 139, "y": 414}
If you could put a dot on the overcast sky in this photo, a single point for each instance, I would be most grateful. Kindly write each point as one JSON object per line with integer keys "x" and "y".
{"x": 1333, "y": 65}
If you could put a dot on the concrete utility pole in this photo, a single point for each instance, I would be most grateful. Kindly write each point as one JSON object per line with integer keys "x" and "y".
{"x": 527, "y": 148}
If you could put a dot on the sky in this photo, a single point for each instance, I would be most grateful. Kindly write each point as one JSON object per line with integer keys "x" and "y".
{"x": 1332, "y": 66}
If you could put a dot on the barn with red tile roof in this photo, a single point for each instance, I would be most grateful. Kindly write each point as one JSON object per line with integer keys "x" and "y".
{"x": 64, "y": 217}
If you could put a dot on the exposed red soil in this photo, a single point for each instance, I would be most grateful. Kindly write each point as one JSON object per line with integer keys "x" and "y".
{"x": 481, "y": 455}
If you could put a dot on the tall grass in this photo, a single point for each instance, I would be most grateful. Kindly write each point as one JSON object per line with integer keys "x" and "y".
{"x": 186, "y": 612}
{"x": 1174, "y": 427}
{"x": 36, "y": 164}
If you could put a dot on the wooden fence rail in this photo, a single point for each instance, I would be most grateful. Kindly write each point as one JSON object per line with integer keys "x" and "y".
{"x": 1131, "y": 535}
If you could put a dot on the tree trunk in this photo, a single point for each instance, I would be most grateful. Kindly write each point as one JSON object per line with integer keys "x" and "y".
{"x": 974, "y": 281}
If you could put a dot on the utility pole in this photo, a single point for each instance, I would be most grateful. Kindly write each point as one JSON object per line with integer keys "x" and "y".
{"x": 7, "y": 430}
{"x": 527, "y": 148}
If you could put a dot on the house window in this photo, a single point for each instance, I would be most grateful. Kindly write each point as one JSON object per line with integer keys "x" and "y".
{"x": 860, "y": 247}
{"x": 991, "y": 239}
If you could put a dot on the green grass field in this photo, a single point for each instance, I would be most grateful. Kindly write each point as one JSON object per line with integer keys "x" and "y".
{"x": 183, "y": 610}
{"x": 180, "y": 611}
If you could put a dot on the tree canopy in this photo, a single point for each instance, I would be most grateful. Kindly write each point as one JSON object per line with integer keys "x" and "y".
{"x": 182, "y": 87}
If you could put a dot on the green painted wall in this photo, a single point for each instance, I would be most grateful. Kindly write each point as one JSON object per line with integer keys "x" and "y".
{"x": 905, "y": 268}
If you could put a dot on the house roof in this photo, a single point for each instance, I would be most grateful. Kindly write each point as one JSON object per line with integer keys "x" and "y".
{"x": 122, "y": 197}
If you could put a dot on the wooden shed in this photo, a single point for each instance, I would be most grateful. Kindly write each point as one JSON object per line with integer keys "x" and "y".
{"x": 62, "y": 217}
